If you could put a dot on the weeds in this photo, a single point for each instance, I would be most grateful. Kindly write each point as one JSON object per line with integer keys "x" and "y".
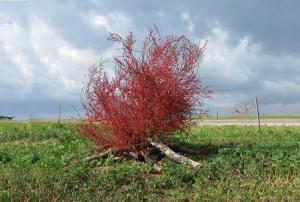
{"x": 43, "y": 162}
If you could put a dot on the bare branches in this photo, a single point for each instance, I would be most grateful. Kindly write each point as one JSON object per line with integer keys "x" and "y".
{"x": 242, "y": 110}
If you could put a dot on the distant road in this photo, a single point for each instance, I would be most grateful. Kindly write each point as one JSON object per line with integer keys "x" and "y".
{"x": 222, "y": 122}
{"x": 264, "y": 122}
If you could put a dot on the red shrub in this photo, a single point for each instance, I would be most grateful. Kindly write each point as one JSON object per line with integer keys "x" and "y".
{"x": 152, "y": 95}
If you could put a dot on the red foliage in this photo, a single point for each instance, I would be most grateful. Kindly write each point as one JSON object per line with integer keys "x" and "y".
{"x": 152, "y": 95}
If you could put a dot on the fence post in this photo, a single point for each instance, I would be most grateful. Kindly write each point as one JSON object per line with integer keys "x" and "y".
{"x": 257, "y": 112}
{"x": 59, "y": 113}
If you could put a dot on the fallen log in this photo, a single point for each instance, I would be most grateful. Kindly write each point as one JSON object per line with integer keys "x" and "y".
{"x": 98, "y": 156}
{"x": 172, "y": 155}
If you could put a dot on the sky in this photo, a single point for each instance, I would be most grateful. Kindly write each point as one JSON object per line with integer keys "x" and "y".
{"x": 46, "y": 48}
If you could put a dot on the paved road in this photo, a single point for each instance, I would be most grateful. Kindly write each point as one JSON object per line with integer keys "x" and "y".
{"x": 264, "y": 122}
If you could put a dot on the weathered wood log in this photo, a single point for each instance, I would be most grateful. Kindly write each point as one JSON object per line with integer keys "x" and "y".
{"x": 172, "y": 155}
{"x": 98, "y": 156}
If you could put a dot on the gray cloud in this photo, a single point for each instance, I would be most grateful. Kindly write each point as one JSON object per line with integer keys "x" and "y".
{"x": 274, "y": 23}
{"x": 47, "y": 47}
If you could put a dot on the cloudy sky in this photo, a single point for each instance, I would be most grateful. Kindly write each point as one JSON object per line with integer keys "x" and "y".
{"x": 46, "y": 48}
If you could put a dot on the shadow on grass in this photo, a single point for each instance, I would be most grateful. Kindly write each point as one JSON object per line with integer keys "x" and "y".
{"x": 270, "y": 151}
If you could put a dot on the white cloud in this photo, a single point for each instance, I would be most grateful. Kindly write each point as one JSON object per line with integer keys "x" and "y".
{"x": 186, "y": 17}
{"x": 242, "y": 68}
{"x": 46, "y": 50}
{"x": 113, "y": 22}
{"x": 15, "y": 62}
{"x": 63, "y": 66}
{"x": 42, "y": 59}
{"x": 222, "y": 58}
{"x": 101, "y": 21}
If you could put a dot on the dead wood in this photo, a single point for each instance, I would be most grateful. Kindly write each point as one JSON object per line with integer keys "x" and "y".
{"x": 154, "y": 153}
{"x": 173, "y": 155}
{"x": 98, "y": 156}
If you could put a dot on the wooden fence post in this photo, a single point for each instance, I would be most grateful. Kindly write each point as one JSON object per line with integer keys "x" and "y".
{"x": 257, "y": 112}
{"x": 59, "y": 113}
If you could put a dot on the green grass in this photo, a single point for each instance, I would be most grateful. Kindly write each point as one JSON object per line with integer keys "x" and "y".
{"x": 43, "y": 162}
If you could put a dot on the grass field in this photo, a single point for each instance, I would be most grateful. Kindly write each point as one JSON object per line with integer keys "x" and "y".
{"x": 43, "y": 162}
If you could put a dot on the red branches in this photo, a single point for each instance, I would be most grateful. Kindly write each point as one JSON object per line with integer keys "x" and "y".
{"x": 152, "y": 95}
